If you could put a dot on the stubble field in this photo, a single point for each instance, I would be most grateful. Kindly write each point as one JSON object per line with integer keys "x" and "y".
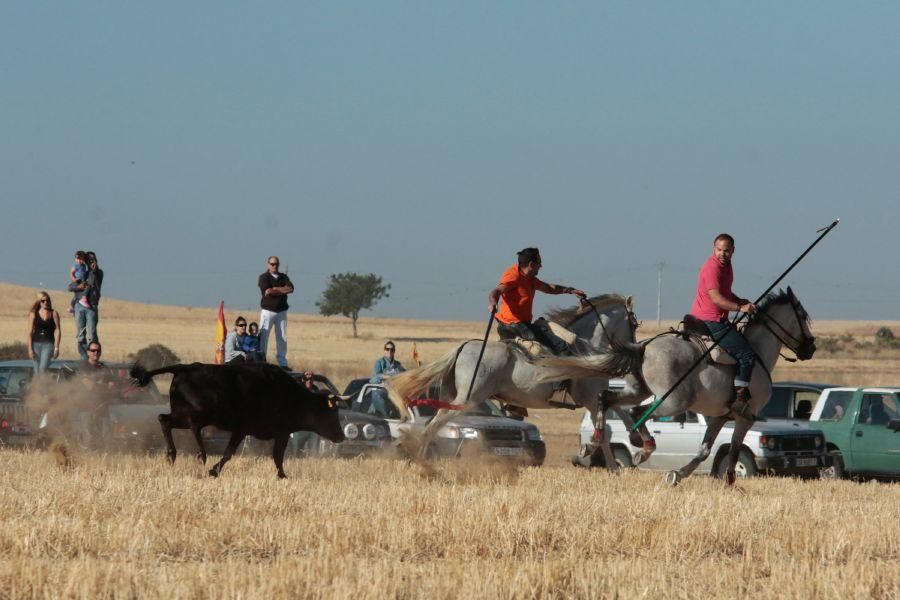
{"x": 128, "y": 526}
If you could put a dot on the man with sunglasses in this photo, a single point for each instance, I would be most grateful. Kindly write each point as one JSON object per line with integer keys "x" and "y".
{"x": 275, "y": 287}
{"x": 385, "y": 366}
{"x": 92, "y": 417}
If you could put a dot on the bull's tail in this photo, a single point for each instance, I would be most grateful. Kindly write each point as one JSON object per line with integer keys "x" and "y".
{"x": 142, "y": 376}
{"x": 408, "y": 385}
{"x": 621, "y": 360}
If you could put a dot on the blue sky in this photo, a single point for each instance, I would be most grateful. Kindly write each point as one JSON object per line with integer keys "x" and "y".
{"x": 427, "y": 143}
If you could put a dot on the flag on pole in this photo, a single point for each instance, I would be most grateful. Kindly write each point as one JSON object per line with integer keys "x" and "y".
{"x": 416, "y": 356}
{"x": 220, "y": 335}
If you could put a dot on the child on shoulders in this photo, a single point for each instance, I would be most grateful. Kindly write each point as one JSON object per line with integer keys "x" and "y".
{"x": 250, "y": 344}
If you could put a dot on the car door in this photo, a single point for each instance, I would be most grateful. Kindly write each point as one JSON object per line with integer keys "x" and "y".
{"x": 875, "y": 447}
{"x": 677, "y": 440}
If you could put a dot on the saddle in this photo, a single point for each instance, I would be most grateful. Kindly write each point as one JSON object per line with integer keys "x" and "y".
{"x": 696, "y": 331}
{"x": 535, "y": 348}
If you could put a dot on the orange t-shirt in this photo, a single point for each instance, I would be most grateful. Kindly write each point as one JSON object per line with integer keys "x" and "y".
{"x": 515, "y": 305}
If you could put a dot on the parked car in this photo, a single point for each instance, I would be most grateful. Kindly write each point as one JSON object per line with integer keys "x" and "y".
{"x": 770, "y": 447}
{"x": 354, "y": 386}
{"x": 792, "y": 400}
{"x": 862, "y": 430}
{"x": 487, "y": 428}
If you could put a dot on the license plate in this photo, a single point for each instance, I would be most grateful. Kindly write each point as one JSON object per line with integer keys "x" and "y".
{"x": 807, "y": 462}
{"x": 506, "y": 451}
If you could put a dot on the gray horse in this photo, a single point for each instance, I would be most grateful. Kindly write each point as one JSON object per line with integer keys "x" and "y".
{"x": 655, "y": 365}
{"x": 511, "y": 375}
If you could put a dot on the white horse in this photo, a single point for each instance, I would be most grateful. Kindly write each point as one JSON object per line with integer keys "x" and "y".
{"x": 511, "y": 375}
{"x": 655, "y": 365}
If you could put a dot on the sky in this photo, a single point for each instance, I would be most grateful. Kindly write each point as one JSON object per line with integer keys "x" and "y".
{"x": 427, "y": 143}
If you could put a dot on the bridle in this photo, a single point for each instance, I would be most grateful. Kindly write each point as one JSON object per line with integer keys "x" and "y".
{"x": 764, "y": 318}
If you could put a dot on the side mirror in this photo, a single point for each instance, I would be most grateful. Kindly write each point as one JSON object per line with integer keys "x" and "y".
{"x": 894, "y": 425}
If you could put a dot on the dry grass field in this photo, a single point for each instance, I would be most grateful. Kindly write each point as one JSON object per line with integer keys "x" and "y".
{"x": 126, "y": 526}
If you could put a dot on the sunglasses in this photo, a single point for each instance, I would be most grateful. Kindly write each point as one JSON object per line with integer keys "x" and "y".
{"x": 94, "y": 350}
{"x": 389, "y": 349}
{"x": 274, "y": 264}
{"x": 45, "y": 300}
{"x": 241, "y": 325}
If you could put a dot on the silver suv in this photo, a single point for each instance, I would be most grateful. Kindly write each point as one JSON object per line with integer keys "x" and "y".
{"x": 770, "y": 447}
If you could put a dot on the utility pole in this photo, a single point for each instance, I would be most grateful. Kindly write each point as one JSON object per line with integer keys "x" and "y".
{"x": 659, "y": 271}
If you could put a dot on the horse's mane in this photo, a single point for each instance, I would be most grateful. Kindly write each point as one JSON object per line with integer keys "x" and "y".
{"x": 776, "y": 298}
{"x": 567, "y": 316}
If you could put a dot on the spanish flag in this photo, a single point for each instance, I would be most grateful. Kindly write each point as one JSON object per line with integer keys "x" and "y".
{"x": 220, "y": 335}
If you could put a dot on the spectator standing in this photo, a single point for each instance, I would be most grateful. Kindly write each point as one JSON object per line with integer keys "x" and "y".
{"x": 43, "y": 333}
{"x": 234, "y": 354}
{"x": 275, "y": 287}
{"x": 86, "y": 317}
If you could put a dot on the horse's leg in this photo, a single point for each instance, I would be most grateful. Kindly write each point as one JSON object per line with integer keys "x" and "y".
{"x": 233, "y": 442}
{"x": 741, "y": 427}
{"x": 600, "y": 450}
{"x": 641, "y": 437}
{"x": 431, "y": 430}
{"x": 713, "y": 426}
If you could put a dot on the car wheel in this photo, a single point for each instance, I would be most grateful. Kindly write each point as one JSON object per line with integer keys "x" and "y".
{"x": 836, "y": 470}
{"x": 745, "y": 466}
{"x": 623, "y": 458}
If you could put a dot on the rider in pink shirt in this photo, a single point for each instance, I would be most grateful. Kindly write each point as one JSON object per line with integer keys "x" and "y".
{"x": 712, "y": 303}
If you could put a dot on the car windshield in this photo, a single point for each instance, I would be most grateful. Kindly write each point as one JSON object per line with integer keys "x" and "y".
{"x": 487, "y": 409}
{"x": 14, "y": 381}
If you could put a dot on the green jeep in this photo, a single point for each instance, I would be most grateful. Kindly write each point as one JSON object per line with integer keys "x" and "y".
{"x": 862, "y": 430}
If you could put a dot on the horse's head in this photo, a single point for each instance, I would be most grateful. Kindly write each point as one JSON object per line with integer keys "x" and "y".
{"x": 784, "y": 316}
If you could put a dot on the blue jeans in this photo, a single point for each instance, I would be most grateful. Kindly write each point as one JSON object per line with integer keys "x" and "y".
{"x": 737, "y": 346}
{"x": 85, "y": 328}
{"x": 42, "y": 353}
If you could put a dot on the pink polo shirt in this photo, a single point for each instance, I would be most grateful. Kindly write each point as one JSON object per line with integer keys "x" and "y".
{"x": 713, "y": 276}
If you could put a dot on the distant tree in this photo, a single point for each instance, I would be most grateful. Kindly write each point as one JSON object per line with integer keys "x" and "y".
{"x": 349, "y": 293}
{"x": 14, "y": 351}
{"x": 884, "y": 334}
{"x": 154, "y": 356}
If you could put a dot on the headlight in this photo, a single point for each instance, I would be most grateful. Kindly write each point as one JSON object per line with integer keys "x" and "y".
{"x": 454, "y": 432}
{"x": 533, "y": 434}
{"x": 382, "y": 432}
{"x": 368, "y": 431}
{"x": 768, "y": 442}
{"x": 351, "y": 431}
{"x": 819, "y": 441}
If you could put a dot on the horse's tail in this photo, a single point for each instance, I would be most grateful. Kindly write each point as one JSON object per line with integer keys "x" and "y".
{"x": 142, "y": 376}
{"x": 406, "y": 386}
{"x": 619, "y": 361}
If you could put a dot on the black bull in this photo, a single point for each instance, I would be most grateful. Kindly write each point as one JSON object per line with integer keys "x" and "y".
{"x": 259, "y": 399}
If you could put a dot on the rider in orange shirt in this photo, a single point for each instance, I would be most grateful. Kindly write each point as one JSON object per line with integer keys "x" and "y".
{"x": 517, "y": 288}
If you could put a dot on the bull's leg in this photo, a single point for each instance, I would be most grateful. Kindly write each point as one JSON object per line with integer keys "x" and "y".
{"x": 165, "y": 422}
{"x": 198, "y": 436}
{"x": 641, "y": 437}
{"x": 278, "y": 453}
{"x": 713, "y": 426}
{"x": 233, "y": 442}
{"x": 741, "y": 427}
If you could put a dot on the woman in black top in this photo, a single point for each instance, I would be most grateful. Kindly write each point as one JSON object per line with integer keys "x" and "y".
{"x": 43, "y": 333}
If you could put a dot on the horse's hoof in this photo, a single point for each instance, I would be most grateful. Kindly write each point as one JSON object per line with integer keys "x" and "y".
{"x": 281, "y": 475}
{"x": 730, "y": 478}
{"x": 581, "y": 461}
{"x": 672, "y": 478}
{"x": 638, "y": 458}
{"x": 213, "y": 473}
